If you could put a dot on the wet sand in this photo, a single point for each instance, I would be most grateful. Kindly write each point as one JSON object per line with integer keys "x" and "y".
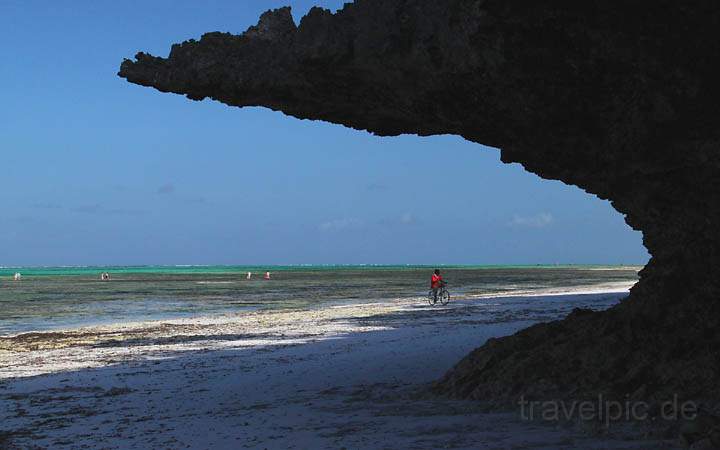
{"x": 341, "y": 376}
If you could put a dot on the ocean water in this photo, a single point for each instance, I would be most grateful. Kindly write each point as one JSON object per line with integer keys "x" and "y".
{"x": 50, "y": 298}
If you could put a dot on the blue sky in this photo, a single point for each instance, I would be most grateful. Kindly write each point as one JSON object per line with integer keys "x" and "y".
{"x": 95, "y": 170}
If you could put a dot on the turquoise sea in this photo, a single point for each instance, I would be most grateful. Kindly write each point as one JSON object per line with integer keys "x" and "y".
{"x": 49, "y": 298}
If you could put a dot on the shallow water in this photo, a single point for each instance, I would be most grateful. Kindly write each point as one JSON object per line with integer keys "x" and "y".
{"x": 52, "y": 298}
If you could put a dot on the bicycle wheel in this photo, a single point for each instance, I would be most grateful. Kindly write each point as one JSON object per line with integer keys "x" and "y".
{"x": 444, "y": 297}
{"x": 431, "y": 298}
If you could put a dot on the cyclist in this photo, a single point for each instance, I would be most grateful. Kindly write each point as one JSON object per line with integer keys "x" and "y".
{"x": 436, "y": 283}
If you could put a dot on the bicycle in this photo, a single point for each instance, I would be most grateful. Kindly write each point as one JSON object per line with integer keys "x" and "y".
{"x": 442, "y": 296}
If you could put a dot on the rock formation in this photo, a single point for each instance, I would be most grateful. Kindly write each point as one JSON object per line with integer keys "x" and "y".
{"x": 620, "y": 98}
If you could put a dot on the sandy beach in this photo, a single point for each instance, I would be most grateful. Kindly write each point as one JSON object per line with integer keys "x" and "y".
{"x": 353, "y": 375}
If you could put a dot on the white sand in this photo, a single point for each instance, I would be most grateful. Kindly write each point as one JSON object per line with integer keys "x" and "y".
{"x": 348, "y": 376}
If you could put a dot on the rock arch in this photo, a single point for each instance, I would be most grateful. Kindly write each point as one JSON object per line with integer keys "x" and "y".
{"x": 620, "y": 98}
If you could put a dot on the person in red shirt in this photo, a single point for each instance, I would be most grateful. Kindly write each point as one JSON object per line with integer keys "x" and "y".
{"x": 436, "y": 283}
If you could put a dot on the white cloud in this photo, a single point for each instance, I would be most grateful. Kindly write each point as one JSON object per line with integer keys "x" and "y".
{"x": 407, "y": 219}
{"x": 376, "y": 187}
{"x": 537, "y": 221}
{"x": 340, "y": 224}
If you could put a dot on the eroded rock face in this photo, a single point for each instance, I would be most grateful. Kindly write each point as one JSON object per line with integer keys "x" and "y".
{"x": 620, "y": 98}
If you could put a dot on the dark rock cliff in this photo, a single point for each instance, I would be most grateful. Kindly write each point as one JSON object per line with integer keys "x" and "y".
{"x": 621, "y": 98}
